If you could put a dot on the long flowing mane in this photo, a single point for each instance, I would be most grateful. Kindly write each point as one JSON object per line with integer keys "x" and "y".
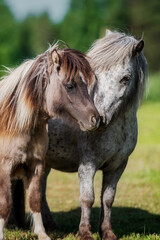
{"x": 117, "y": 48}
{"x": 21, "y": 91}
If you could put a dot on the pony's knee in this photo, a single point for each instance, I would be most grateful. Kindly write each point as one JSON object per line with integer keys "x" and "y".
{"x": 87, "y": 201}
{"x": 5, "y": 206}
{"x": 34, "y": 191}
{"x": 5, "y": 199}
{"x": 108, "y": 197}
{"x": 34, "y": 200}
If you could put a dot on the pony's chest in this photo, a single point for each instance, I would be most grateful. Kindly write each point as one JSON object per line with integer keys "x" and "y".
{"x": 111, "y": 147}
{"x": 62, "y": 150}
{"x": 14, "y": 150}
{"x": 119, "y": 144}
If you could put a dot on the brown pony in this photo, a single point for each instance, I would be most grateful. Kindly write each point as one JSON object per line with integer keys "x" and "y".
{"x": 52, "y": 85}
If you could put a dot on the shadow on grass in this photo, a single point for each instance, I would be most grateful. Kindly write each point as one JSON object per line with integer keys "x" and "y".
{"x": 125, "y": 220}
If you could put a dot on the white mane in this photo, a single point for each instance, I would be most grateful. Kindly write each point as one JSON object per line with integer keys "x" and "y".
{"x": 117, "y": 48}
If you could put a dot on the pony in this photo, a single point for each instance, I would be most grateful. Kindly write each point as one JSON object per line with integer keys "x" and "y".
{"x": 121, "y": 71}
{"x": 54, "y": 84}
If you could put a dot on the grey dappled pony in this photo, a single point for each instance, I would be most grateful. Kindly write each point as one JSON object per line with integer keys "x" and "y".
{"x": 120, "y": 67}
{"x": 54, "y": 84}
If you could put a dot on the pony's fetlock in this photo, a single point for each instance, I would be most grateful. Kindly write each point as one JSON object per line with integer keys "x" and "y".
{"x": 2, "y": 223}
{"x": 84, "y": 236}
{"x": 109, "y": 235}
{"x": 43, "y": 236}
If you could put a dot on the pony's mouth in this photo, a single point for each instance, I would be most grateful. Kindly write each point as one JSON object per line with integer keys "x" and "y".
{"x": 102, "y": 125}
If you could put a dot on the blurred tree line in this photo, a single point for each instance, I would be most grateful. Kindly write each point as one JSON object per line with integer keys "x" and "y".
{"x": 84, "y": 23}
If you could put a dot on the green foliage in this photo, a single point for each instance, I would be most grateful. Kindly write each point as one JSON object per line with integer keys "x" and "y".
{"x": 153, "y": 88}
{"x": 85, "y": 21}
{"x": 36, "y": 33}
{"x": 8, "y": 36}
{"x": 21, "y": 40}
{"x": 81, "y": 25}
{"x": 139, "y": 18}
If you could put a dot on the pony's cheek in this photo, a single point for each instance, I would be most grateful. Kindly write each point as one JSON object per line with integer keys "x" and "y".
{"x": 52, "y": 101}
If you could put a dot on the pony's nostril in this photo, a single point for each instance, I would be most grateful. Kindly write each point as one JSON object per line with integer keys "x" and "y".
{"x": 93, "y": 120}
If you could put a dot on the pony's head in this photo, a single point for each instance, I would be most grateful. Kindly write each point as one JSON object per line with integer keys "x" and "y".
{"x": 66, "y": 92}
{"x": 52, "y": 85}
{"x": 120, "y": 66}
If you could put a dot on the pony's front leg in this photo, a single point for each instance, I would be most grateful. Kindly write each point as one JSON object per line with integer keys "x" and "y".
{"x": 110, "y": 180}
{"x": 86, "y": 177}
{"x": 34, "y": 198}
{"x": 5, "y": 199}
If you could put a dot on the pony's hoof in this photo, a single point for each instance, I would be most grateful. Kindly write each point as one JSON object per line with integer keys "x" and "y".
{"x": 84, "y": 236}
{"x": 109, "y": 235}
{"x": 43, "y": 236}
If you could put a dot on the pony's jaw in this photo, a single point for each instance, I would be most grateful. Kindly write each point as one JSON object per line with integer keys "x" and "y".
{"x": 87, "y": 119}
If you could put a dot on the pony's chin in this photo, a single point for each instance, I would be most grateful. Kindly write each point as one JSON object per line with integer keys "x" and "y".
{"x": 86, "y": 128}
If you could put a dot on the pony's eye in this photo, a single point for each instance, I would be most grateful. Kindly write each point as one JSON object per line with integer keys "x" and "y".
{"x": 125, "y": 79}
{"x": 69, "y": 86}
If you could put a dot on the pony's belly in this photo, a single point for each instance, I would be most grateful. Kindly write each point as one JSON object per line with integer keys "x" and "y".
{"x": 19, "y": 172}
{"x": 105, "y": 149}
{"x": 62, "y": 151}
{"x": 63, "y": 160}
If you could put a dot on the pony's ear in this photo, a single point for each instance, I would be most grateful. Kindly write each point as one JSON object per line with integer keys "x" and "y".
{"x": 56, "y": 59}
{"x": 108, "y": 32}
{"x": 138, "y": 48}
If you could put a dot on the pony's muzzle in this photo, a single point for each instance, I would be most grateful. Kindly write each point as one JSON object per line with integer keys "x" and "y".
{"x": 90, "y": 125}
{"x": 95, "y": 121}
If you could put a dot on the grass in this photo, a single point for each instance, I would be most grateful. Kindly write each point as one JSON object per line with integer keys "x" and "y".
{"x": 136, "y": 210}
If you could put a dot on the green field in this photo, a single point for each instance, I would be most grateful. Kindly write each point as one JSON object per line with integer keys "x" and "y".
{"x": 136, "y": 210}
